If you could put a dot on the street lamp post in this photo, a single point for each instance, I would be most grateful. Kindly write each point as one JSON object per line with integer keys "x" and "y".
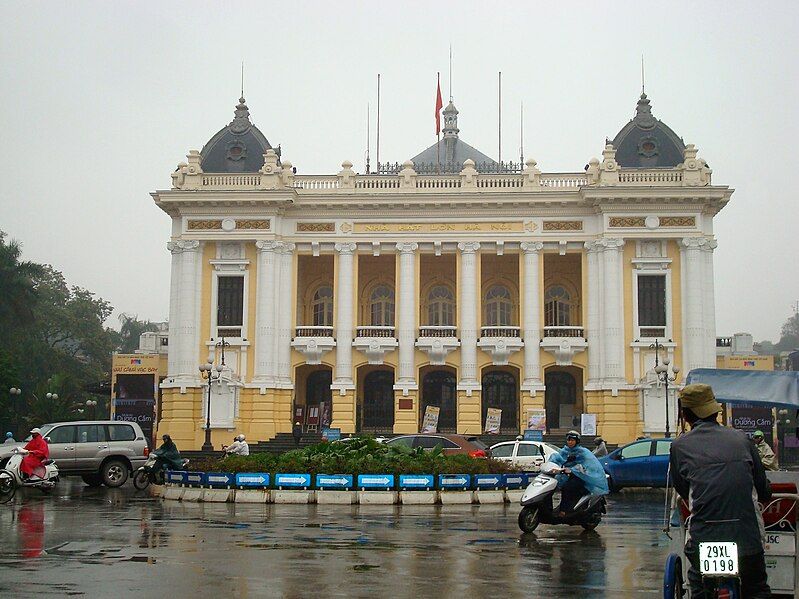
{"x": 14, "y": 393}
{"x": 662, "y": 372}
{"x": 212, "y": 374}
{"x": 91, "y": 404}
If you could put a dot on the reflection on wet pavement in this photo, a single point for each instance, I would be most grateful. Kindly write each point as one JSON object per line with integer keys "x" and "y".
{"x": 65, "y": 545}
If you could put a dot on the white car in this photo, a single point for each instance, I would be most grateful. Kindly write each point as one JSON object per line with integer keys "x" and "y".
{"x": 527, "y": 455}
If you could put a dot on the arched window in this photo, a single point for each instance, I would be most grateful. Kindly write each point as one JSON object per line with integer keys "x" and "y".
{"x": 557, "y": 307}
{"x": 441, "y": 307}
{"x": 498, "y": 307}
{"x": 381, "y": 306}
{"x": 323, "y": 307}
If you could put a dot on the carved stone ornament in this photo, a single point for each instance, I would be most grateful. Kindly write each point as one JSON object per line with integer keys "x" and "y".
{"x": 563, "y": 225}
{"x": 530, "y": 226}
{"x": 183, "y": 245}
{"x": 500, "y": 348}
{"x": 626, "y": 221}
{"x": 345, "y": 248}
{"x": 407, "y": 247}
{"x": 469, "y": 247}
{"x": 532, "y": 247}
{"x": 437, "y": 348}
{"x": 204, "y": 225}
{"x": 231, "y": 251}
{"x": 677, "y": 221}
{"x": 345, "y": 227}
{"x": 375, "y": 348}
{"x": 313, "y": 347}
{"x": 261, "y": 224}
{"x": 266, "y": 245}
{"x": 563, "y": 348}
{"x": 316, "y": 228}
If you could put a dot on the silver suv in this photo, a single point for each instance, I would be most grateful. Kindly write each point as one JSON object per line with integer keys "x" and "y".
{"x": 100, "y": 451}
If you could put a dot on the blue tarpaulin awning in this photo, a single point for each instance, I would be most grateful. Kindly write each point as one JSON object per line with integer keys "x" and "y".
{"x": 774, "y": 388}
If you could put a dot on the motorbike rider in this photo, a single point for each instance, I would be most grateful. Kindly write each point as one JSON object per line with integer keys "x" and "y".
{"x": 601, "y": 449}
{"x": 37, "y": 452}
{"x": 9, "y": 438}
{"x": 718, "y": 473}
{"x": 764, "y": 451}
{"x": 238, "y": 447}
{"x": 168, "y": 456}
{"x": 581, "y": 472}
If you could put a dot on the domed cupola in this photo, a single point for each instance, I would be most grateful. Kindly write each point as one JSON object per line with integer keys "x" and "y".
{"x": 237, "y": 148}
{"x": 646, "y": 142}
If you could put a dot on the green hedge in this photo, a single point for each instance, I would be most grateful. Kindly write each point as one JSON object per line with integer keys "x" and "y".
{"x": 362, "y": 455}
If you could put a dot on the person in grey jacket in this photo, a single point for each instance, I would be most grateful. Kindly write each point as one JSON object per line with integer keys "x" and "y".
{"x": 718, "y": 472}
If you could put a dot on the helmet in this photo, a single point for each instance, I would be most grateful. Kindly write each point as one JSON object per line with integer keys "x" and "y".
{"x": 9, "y": 434}
{"x": 36, "y": 431}
{"x": 573, "y": 435}
{"x": 240, "y": 438}
{"x": 599, "y": 441}
{"x": 758, "y": 434}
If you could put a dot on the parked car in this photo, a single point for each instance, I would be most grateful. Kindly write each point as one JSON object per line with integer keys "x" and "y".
{"x": 451, "y": 444}
{"x": 103, "y": 452}
{"x": 643, "y": 463}
{"x": 527, "y": 455}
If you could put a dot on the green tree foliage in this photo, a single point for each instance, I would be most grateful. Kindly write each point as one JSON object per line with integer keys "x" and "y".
{"x": 789, "y": 338}
{"x": 56, "y": 341}
{"x": 129, "y": 331}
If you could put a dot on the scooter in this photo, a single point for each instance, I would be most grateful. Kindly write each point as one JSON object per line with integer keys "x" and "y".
{"x": 537, "y": 504}
{"x": 11, "y": 477}
{"x": 148, "y": 474}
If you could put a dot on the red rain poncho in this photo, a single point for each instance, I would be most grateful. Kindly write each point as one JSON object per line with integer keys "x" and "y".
{"x": 38, "y": 453}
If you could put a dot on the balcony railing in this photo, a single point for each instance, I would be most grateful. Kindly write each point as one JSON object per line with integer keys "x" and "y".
{"x": 723, "y": 341}
{"x": 375, "y": 331}
{"x": 563, "y": 332}
{"x": 652, "y": 332}
{"x": 500, "y": 332}
{"x": 438, "y": 331}
{"x": 313, "y": 332}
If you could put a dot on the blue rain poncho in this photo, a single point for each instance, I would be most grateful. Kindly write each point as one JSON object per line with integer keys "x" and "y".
{"x": 584, "y": 465}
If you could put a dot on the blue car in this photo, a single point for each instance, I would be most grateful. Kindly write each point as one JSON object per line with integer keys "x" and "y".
{"x": 642, "y": 463}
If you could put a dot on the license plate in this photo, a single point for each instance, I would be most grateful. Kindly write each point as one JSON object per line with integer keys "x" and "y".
{"x": 718, "y": 559}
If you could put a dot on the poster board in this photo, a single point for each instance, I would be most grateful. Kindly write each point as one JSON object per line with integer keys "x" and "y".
{"x": 588, "y": 425}
{"x": 537, "y": 419}
{"x": 430, "y": 421}
{"x": 493, "y": 420}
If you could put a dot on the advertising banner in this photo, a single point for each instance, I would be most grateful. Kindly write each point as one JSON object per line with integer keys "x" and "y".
{"x": 312, "y": 416}
{"x": 430, "y": 422}
{"x": 537, "y": 419}
{"x": 751, "y": 419}
{"x": 493, "y": 419}
{"x": 326, "y": 415}
{"x": 140, "y": 411}
{"x": 588, "y": 425}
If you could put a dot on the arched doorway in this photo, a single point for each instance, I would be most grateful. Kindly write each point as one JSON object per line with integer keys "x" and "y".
{"x": 377, "y": 411}
{"x": 439, "y": 389}
{"x": 560, "y": 399}
{"x": 500, "y": 391}
{"x": 317, "y": 393}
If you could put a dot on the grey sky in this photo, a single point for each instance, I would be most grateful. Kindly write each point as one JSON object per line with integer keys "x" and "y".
{"x": 99, "y": 102}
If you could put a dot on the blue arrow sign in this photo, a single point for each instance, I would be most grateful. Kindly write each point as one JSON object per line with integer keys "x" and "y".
{"x": 416, "y": 481}
{"x": 454, "y": 481}
{"x": 375, "y": 481}
{"x": 533, "y": 435}
{"x": 334, "y": 481}
{"x": 297, "y": 481}
{"x": 218, "y": 479}
{"x": 252, "y": 479}
{"x": 487, "y": 481}
{"x": 514, "y": 481}
{"x": 194, "y": 478}
{"x": 175, "y": 476}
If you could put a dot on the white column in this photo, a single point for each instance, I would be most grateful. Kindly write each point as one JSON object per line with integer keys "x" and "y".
{"x": 345, "y": 294}
{"x": 174, "y": 316}
{"x": 406, "y": 326}
{"x": 693, "y": 321}
{"x": 531, "y": 311}
{"x": 593, "y": 326}
{"x": 709, "y": 304}
{"x": 265, "y": 331}
{"x": 613, "y": 329}
{"x": 187, "y": 303}
{"x": 467, "y": 306}
{"x": 284, "y": 325}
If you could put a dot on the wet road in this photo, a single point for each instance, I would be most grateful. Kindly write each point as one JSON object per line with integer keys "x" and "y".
{"x": 118, "y": 542}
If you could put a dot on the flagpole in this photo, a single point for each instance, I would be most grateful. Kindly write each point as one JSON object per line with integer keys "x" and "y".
{"x": 438, "y": 131}
{"x": 378, "y": 124}
{"x": 499, "y": 125}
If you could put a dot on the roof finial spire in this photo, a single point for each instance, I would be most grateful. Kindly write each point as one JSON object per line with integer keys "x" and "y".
{"x": 242, "y": 78}
{"x": 450, "y": 72}
{"x": 643, "y": 86}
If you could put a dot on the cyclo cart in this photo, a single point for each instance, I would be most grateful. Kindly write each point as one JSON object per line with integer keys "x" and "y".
{"x": 761, "y": 389}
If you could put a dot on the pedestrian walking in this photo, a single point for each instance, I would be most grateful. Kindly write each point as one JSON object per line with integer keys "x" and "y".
{"x": 765, "y": 452}
{"x": 716, "y": 470}
{"x": 601, "y": 450}
{"x": 297, "y": 432}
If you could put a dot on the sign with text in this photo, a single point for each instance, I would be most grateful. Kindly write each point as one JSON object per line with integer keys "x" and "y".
{"x": 493, "y": 419}
{"x": 750, "y": 419}
{"x": 334, "y": 481}
{"x": 533, "y": 435}
{"x": 375, "y": 481}
{"x": 331, "y": 434}
{"x": 252, "y": 479}
{"x": 140, "y": 411}
{"x": 326, "y": 414}
{"x": 430, "y": 422}
{"x": 537, "y": 419}
{"x": 295, "y": 481}
{"x": 312, "y": 416}
{"x": 588, "y": 425}
{"x": 416, "y": 481}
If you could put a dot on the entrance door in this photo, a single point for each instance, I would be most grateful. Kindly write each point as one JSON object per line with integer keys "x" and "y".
{"x": 560, "y": 399}
{"x": 378, "y": 401}
{"x": 438, "y": 389}
{"x": 317, "y": 392}
{"x": 499, "y": 391}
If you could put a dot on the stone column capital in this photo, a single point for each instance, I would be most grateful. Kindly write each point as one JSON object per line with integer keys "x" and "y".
{"x": 610, "y": 243}
{"x": 284, "y": 247}
{"x": 183, "y": 245}
{"x": 532, "y": 247}
{"x": 711, "y": 245}
{"x": 407, "y": 247}
{"x": 469, "y": 247}
{"x": 692, "y": 243}
{"x": 345, "y": 248}
{"x": 593, "y": 246}
{"x": 267, "y": 246}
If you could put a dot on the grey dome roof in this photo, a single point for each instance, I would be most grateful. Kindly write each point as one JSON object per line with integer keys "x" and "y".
{"x": 237, "y": 148}
{"x": 451, "y": 152}
{"x": 646, "y": 142}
